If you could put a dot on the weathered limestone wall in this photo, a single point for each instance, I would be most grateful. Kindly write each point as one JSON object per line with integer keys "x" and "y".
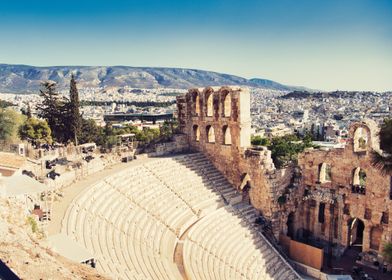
{"x": 178, "y": 145}
{"x": 299, "y": 203}
{"x": 217, "y": 122}
{"x": 346, "y": 199}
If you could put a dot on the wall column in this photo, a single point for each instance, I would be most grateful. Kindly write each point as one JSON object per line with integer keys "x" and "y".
{"x": 366, "y": 237}
{"x": 340, "y": 206}
{"x": 316, "y": 224}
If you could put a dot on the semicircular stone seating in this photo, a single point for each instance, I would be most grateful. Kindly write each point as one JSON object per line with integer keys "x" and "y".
{"x": 132, "y": 221}
{"x": 242, "y": 252}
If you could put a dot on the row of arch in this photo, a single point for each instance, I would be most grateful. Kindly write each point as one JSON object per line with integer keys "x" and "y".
{"x": 210, "y": 133}
{"x": 356, "y": 230}
{"x": 209, "y": 104}
{"x": 325, "y": 175}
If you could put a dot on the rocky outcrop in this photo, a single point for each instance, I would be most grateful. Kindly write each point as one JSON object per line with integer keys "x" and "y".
{"x": 22, "y": 250}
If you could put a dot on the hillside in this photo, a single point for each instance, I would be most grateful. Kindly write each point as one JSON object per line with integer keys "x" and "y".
{"x": 26, "y": 255}
{"x": 27, "y": 79}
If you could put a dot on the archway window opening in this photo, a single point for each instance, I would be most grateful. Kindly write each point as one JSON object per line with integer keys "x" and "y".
{"x": 210, "y": 134}
{"x": 324, "y": 172}
{"x": 226, "y": 135}
{"x": 227, "y": 105}
{"x": 390, "y": 187}
{"x": 196, "y": 133}
{"x": 210, "y": 107}
{"x": 360, "y": 139}
{"x": 291, "y": 225}
{"x": 321, "y": 214}
{"x": 356, "y": 229}
{"x": 359, "y": 181}
{"x": 197, "y": 104}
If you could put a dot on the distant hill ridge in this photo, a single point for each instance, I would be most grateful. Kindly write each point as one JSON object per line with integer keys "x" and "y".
{"x": 27, "y": 79}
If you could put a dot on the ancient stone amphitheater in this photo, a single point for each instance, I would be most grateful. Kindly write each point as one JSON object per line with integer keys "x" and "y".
{"x": 172, "y": 218}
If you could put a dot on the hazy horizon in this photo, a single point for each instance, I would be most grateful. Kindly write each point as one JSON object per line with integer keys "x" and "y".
{"x": 324, "y": 45}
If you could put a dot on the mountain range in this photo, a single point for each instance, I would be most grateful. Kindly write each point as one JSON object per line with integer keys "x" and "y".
{"x": 27, "y": 79}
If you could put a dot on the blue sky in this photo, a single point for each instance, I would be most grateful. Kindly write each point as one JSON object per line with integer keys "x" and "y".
{"x": 334, "y": 44}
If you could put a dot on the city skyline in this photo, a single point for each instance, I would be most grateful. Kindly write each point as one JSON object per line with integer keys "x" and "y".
{"x": 324, "y": 45}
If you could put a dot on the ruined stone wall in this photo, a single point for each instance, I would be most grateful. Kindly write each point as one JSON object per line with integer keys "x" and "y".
{"x": 346, "y": 200}
{"x": 217, "y": 122}
{"x": 325, "y": 211}
{"x": 178, "y": 145}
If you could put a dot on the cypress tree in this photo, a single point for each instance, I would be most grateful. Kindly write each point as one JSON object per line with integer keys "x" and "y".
{"x": 28, "y": 112}
{"x": 75, "y": 117}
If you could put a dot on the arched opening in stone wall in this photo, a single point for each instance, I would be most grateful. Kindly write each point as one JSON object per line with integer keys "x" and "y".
{"x": 196, "y": 103}
{"x": 210, "y": 134}
{"x": 291, "y": 225}
{"x": 356, "y": 228}
{"x": 324, "y": 172}
{"x": 359, "y": 177}
{"x": 360, "y": 139}
{"x": 226, "y": 135}
{"x": 321, "y": 213}
{"x": 196, "y": 133}
{"x": 227, "y": 105}
{"x": 375, "y": 237}
{"x": 245, "y": 187}
{"x": 385, "y": 217}
{"x": 210, "y": 107}
{"x": 359, "y": 181}
{"x": 246, "y": 193}
{"x": 356, "y": 176}
{"x": 390, "y": 187}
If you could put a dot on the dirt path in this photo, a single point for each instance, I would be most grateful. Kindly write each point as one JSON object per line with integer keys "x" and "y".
{"x": 178, "y": 251}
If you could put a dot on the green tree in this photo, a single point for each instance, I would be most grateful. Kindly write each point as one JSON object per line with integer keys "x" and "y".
{"x": 108, "y": 130}
{"x": 147, "y": 135}
{"x": 259, "y": 141}
{"x": 28, "y": 111}
{"x": 35, "y": 130}
{"x": 91, "y": 132}
{"x": 55, "y": 111}
{"x": 9, "y": 123}
{"x": 286, "y": 148}
{"x": 384, "y": 161}
{"x": 5, "y": 104}
{"x": 307, "y": 139}
{"x": 166, "y": 130}
{"x": 387, "y": 252}
{"x": 75, "y": 119}
{"x": 385, "y": 136}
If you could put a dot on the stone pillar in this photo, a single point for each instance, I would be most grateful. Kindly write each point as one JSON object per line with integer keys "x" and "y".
{"x": 316, "y": 224}
{"x": 366, "y": 237}
{"x": 345, "y": 239}
{"x": 244, "y": 118}
{"x": 329, "y": 221}
{"x": 283, "y": 224}
{"x": 340, "y": 206}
